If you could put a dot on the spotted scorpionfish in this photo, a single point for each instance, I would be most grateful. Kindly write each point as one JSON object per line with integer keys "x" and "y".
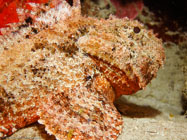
{"x": 65, "y": 70}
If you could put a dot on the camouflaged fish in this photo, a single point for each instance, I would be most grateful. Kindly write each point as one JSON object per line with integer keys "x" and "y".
{"x": 65, "y": 70}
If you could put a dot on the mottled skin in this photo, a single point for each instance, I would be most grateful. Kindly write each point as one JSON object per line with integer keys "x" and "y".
{"x": 68, "y": 74}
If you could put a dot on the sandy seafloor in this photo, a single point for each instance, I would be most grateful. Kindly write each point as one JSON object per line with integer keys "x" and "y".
{"x": 153, "y": 113}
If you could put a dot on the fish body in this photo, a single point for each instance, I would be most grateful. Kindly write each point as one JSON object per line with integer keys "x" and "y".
{"x": 65, "y": 70}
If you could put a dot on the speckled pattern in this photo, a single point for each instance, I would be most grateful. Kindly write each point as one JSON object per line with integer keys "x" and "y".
{"x": 66, "y": 70}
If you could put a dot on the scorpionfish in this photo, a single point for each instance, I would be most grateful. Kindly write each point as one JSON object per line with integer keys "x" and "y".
{"x": 65, "y": 70}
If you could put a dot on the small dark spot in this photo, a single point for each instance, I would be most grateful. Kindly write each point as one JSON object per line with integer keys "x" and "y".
{"x": 28, "y": 20}
{"x": 136, "y": 29}
{"x": 96, "y": 1}
{"x": 4, "y": 114}
{"x": 25, "y": 71}
{"x": 34, "y": 71}
{"x": 69, "y": 49}
{"x": 27, "y": 36}
{"x": 85, "y": 54}
{"x": 34, "y": 30}
{"x": 108, "y": 6}
{"x": 43, "y": 59}
{"x": 39, "y": 46}
{"x": 1, "y": 108}
{"x": 125, "y": 27}
{"x": 130, "y": 56}
{"x": 177, "y": 53}
{"x": 3, "y": 92}
{"x": 15, "y": 32}
{"x": 142, "y": 42}
{"x": 43, "y": 11}
{"x": 88, "y": 86}
{"x": 130, "y": 36}
{"x": 131, "y": 44}
{"x": 113, "y": 49}
{"x": 46, "y": 4}
{"x": 83, "y": 30}
{"x": 88, "y": 78}
{"x": 70, "y": 2}
{"x": 23, "y": 26}
{"x": 33, "y": 50}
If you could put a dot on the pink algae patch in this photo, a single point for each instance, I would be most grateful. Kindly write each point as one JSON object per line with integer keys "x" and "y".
{"x": 128, "y": 8}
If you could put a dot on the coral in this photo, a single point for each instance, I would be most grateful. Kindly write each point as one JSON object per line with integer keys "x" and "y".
{"x": 127, "y": 8}
{"x": 8, "y": 9}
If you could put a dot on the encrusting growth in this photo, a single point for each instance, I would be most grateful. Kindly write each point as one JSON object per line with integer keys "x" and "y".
{"x": 65, "y": 71}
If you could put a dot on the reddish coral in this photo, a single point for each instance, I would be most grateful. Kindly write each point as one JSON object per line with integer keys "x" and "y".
{"x": 128, "y": 9}
{"x": 8, "y": 13}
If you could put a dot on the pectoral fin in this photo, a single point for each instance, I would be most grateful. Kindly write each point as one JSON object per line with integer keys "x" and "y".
{"x": 84, "y": 115}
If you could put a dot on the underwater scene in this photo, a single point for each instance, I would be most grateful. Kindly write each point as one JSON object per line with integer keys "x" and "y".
{"x": 93, "y": 70}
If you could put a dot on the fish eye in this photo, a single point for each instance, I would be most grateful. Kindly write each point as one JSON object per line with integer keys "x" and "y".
{"x": 136, "y": 30}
